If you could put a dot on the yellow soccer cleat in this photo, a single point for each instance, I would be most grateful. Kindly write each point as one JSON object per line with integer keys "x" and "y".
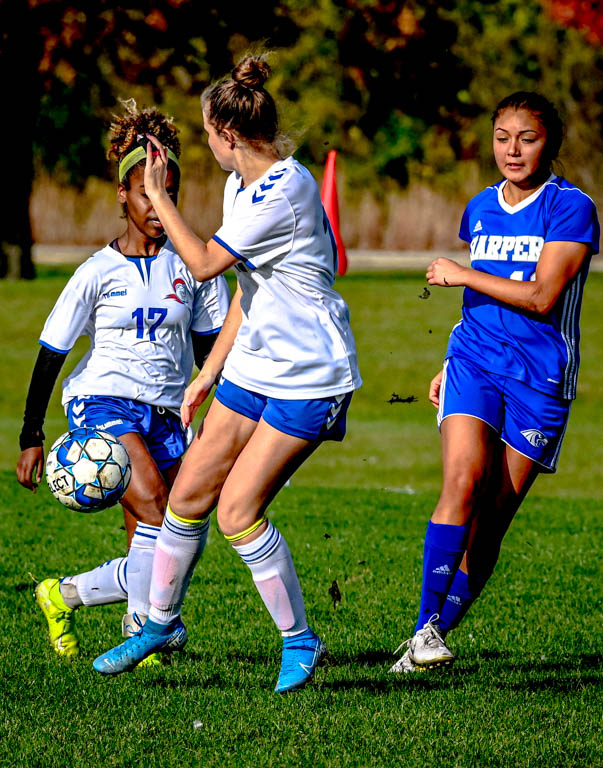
{"x": 59, "y": 616}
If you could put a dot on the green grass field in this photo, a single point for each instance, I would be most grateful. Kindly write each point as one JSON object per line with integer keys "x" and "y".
{"x": 526, "y": 688}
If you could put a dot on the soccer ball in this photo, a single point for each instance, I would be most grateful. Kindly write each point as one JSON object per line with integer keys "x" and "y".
{"x": 88, "y": 470}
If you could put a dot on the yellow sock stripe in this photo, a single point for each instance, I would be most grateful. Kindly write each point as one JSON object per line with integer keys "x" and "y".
{"x": 185, "y": 520}
{"x": 247, "y": 531}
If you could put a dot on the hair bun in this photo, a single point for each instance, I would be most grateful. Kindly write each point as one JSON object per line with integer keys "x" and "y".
{"x": 251, "y": 72}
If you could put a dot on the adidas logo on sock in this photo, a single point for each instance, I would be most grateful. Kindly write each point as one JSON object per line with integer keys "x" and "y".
{"x": 442, "y": 570}
{"x": 455, "y": 599}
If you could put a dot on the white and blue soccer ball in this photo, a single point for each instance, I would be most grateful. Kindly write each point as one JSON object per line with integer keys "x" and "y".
{"x": 88, "y": 470}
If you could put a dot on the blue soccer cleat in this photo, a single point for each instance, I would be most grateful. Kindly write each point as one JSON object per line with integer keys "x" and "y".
{"x": 301, "y": 655}
{"x": 151, "y": 638}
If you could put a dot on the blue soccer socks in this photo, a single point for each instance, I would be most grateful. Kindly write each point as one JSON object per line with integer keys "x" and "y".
{"x": 463, "y": 592}
{"x": 443, "y": 551}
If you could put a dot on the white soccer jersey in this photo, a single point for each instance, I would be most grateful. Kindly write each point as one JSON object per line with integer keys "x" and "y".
{"x": 139, "y": 313}
{"x": 295, "y": 340}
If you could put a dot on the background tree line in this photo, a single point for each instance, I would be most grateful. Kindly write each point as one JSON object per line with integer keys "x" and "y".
{"x": 404, "y": 90}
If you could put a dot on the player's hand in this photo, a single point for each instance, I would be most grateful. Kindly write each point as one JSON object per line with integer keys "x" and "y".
{"x": 155, "y": 170}
{"x": 434, "y": 389}
{"x": 30, "y": 467}
{"x": 445, "y": 272}
{"x": 194, "y": 395}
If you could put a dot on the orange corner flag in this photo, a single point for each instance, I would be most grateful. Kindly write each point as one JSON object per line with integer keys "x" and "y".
{"x": 331, "y": 204}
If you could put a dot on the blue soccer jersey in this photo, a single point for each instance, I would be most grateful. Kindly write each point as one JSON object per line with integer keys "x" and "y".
{"x": 540, "y": 350}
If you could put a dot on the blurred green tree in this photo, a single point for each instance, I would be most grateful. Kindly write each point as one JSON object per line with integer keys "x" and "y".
{"x": 62, "y": 64}
{"x": 403, "y": 88}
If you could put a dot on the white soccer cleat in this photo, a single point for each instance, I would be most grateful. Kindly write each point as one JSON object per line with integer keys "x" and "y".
{"x": 404, "y": 665}
{"x": 427, "y": 648}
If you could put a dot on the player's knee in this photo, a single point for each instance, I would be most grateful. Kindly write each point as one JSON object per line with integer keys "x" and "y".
{"x": 463, "y": 486}
{"x": 193, "y": 506}
{"x": 235, "y": 515}
{"x": 148, "y": 503}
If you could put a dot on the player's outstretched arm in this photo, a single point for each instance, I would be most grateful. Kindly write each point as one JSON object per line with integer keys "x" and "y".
{"x": 199, "y": 388}
{"x": 559, "y": 262}
{"x": 31, "y": 440}
{"x": 204, "y": 260}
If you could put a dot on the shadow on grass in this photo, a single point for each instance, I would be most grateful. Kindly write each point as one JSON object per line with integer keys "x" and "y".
{"x": 510, "y": 661}
{"x": 502, "y": 669}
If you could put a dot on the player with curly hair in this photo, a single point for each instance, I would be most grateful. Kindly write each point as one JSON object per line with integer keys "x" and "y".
{"x": 288, "y": 363}
{"x": 147, "y": 318}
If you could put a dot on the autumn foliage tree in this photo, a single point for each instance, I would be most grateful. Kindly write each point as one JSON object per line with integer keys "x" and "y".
{"x": 61, "y": 63}
{"x": 402, "y": 88}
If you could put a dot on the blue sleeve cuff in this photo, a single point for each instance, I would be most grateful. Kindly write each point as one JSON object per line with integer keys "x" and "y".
{"x": 206, "y": 333}
{"x": 234, "y": 253}
{"x": 54, "y": 349}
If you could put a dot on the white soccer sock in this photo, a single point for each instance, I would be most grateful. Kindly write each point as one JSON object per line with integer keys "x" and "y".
{"x": 140, "y": 567}
{"x": 106, "y": 584}
{"x": 273, "y": 572}
{"x": 179, "y": 546}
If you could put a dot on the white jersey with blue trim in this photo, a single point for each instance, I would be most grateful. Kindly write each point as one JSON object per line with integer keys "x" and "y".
{"x": 139, "y": 313}
{"x": 295, "y": 340}
{"x": 505, "y": 240}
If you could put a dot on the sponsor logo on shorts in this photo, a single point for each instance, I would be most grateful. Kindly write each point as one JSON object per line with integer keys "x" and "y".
{"x": 108, "y": 424}
{"x": 535, "y": 437}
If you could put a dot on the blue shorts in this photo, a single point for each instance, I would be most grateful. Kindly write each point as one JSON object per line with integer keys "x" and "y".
{"x": 321, "y": 419}
{"x": 533, "y": 423}
{"x": 161, "y": 430}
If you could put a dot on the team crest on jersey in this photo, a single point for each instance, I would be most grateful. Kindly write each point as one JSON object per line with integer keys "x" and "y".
{"x": 181, "y": 292}
{"x": 535, "y": 438}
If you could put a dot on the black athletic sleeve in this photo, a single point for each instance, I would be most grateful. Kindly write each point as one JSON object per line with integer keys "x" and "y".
{"x": 202, "y": 346}
{"x": 43, "y": 378}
